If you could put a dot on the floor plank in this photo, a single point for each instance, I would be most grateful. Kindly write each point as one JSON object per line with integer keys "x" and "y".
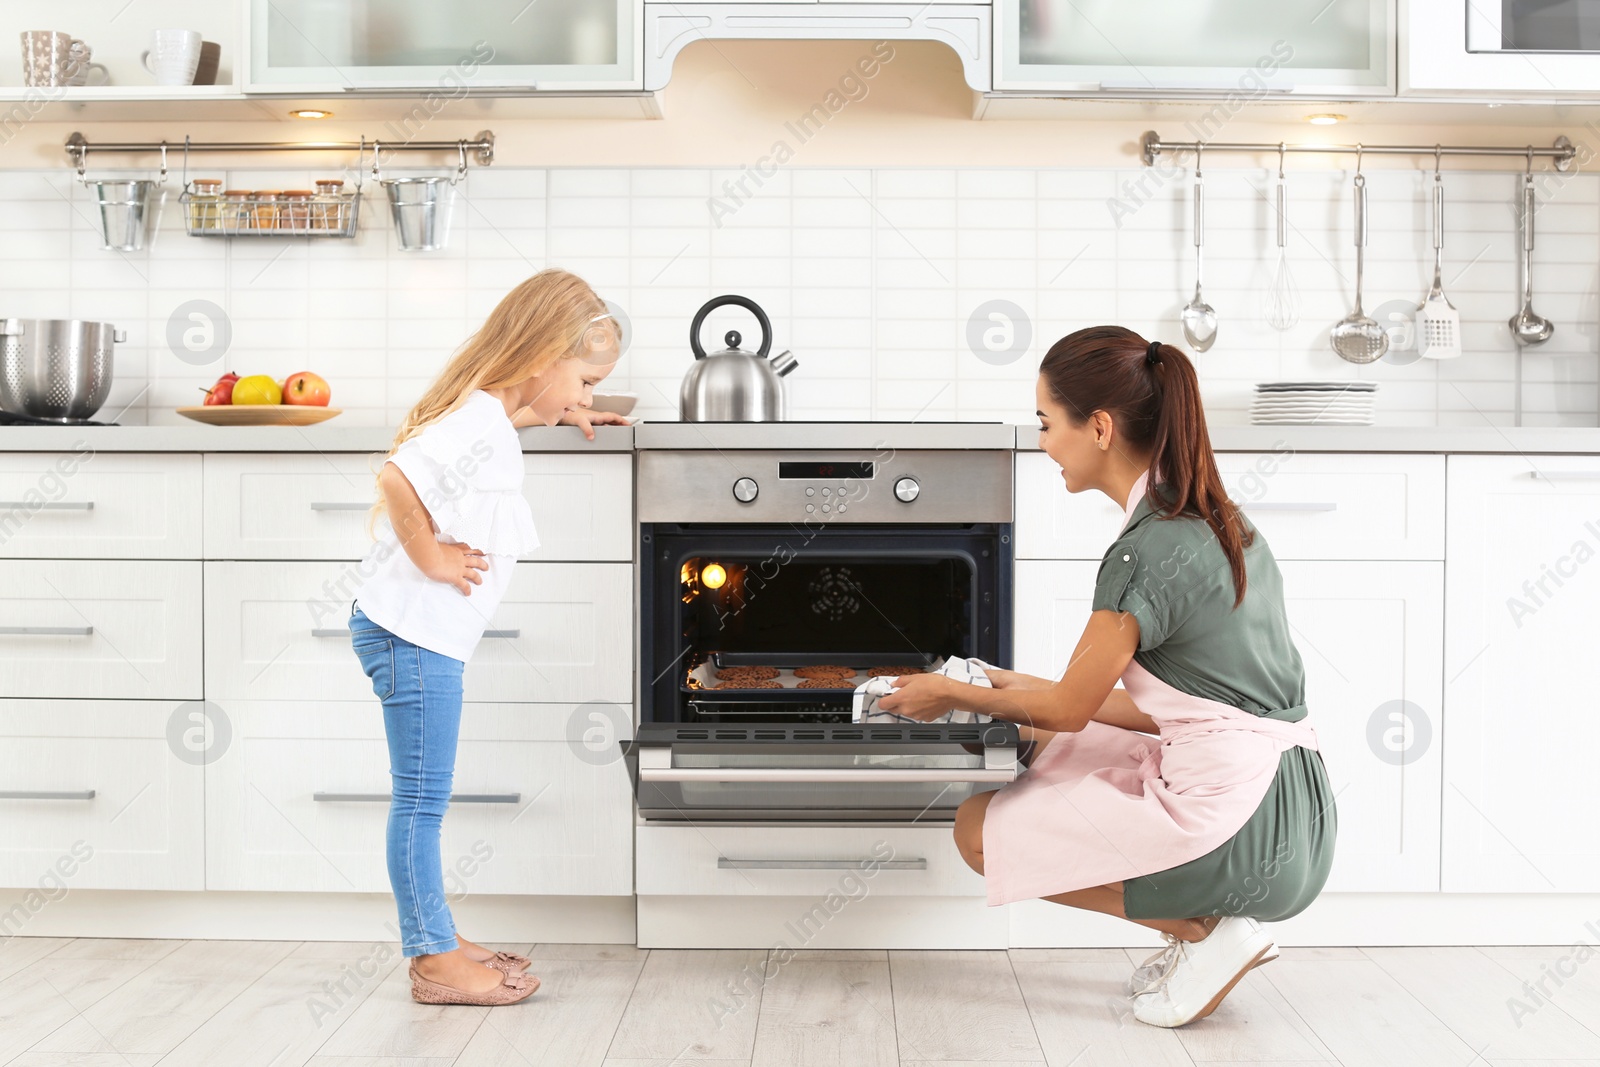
{"x": 171, "y": 998}
{"x": 693, "y": 1004}
{"x": 827, "y": 1013}
{"x": 17, "y": 952}
{"x": 116, "y": 948}
{"x": 389, "y": 1024}
{"x": 1076, "y": 1001}
{"x": 1578, "y": 994}
{"x": 960, "y": 1005}
{"x": 612, "y": 953}
{"x": 47, "y": 995}
{"x": 569, "y": 1021}
{"x": 1475, "y": 996}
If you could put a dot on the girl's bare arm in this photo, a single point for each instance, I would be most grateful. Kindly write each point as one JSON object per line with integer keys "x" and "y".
{"x": 457, "y": 565}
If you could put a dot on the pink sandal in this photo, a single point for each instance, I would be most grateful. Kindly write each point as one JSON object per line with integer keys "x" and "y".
{"x": 512, "y": 989}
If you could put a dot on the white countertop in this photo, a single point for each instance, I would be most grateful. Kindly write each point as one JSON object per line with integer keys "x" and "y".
{"x": 857, "y": 436}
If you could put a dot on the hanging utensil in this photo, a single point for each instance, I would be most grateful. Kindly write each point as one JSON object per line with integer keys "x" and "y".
{"x": 1356, "y": 337}
{"x": 1527, "y": 327}
{"x": 1198, "y": 318}
{"x": 1283, "y": 299}
{"x": 1438, "y": 321}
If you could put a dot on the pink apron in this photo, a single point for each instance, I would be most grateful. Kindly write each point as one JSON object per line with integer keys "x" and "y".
{"x": 1102, "y": 804}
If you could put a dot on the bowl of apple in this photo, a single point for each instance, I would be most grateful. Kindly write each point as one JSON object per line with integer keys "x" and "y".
{"x": 260, "y": 400}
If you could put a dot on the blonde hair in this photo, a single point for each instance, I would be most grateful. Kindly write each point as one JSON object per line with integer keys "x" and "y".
{"x": 540, "y": 322}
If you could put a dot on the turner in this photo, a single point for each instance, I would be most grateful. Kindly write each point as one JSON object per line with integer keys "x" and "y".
{"x": 1438, "y": 321}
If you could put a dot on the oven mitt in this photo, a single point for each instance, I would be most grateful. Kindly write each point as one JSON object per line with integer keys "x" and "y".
{"x": 864, "y": 706}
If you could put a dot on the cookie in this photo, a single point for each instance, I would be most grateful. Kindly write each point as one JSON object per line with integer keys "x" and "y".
{"x": 893, "y": 672}
{"x": 753, "y": 683}
{"x": 838, "y": 681}
{"x": 751, "y": 673}
{"x": 825, "y": 671}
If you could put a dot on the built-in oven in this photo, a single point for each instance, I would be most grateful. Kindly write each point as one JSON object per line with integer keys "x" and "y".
{"x": 771, "y": 585}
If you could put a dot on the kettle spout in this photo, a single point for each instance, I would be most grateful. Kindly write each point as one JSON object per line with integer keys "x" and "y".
{"x": 784, "y": 362}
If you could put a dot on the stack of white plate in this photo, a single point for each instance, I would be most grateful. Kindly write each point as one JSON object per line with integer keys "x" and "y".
{"x": 1314, "y": 403}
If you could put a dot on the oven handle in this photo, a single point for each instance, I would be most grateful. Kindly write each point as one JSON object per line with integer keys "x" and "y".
{"x": 825, "y": 774}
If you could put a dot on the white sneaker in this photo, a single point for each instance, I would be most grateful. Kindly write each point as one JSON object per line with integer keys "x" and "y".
{"x": 1149, "y": 974}
{"x": 1202, "y": 972}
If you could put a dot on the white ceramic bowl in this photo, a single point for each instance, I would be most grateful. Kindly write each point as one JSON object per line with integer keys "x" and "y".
{"x": 618, "y": 403}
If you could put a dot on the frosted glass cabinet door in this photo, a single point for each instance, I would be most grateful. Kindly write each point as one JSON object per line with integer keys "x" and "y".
{"x": 1256, "y": 48}
{"x": 319, "y": 45}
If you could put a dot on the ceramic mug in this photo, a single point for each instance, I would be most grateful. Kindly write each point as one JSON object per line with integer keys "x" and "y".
{"x": 82, "y": 72}
{"x": 47, "y": 57}
{"x": 172, "y": 56}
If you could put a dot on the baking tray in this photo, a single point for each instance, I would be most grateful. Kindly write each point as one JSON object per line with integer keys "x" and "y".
{"x": 703, "y": 678}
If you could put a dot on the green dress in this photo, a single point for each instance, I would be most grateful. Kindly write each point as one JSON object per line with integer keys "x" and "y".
{"x": 1180, "y": 588}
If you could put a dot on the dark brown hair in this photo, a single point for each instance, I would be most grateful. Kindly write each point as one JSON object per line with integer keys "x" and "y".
{"x": 1156, "y": 407}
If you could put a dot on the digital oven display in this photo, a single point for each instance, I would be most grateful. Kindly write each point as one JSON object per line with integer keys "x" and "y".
{"x": 824, "y": 470}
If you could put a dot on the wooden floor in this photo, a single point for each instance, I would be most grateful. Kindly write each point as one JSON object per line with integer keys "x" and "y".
{"x": 111, "y": 1003}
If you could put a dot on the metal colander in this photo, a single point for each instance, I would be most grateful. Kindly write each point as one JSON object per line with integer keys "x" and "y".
{"x": 55, "y": 368}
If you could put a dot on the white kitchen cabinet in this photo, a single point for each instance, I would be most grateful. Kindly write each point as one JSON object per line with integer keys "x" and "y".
{"x": 808, "y": 861}
{"x": 93, "y": 795}
{"x": 90, "y": 505}
{"x": 315, "y": 507}
{"x": 1459, "y": 47}
{"x": 443, "y": 50}
{"x": 1307, "y": 506}
{"x": 1250, "y": 48}
{"x": 1368, "y": 635}
{"x": 299, "y": 801}
{"x": 1520, "y": 592}
{"x": 100, "y": 628}
{"x": 279, "y": 631}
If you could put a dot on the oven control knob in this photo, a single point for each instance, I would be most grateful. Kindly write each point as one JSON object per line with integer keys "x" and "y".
{"x": 745, "y": 490}
{"x": 907, "y": 489}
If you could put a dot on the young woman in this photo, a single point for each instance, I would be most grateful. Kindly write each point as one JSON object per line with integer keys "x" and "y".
{"x": 1227, "y": 819}
{"x": 451, "y": 490}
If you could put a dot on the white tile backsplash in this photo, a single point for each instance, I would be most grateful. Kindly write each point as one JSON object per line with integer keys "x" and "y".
{"x": 870, "y": 276}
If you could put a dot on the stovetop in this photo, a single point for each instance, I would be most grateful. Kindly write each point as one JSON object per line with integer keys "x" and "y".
{"x": 9, "y": 419}
{"x": 823, "y": 436}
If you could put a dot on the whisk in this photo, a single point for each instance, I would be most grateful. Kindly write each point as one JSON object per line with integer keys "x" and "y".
{"x": 1282, "y": 302}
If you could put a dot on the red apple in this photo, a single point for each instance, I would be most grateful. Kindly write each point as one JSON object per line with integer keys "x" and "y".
{"x": 222, "y": 391}
{"x": 307, "y": 389}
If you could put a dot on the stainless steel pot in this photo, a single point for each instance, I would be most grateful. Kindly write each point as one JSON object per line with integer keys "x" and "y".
{"x": 55, "y": 368}
{"x": 734, "y": 385}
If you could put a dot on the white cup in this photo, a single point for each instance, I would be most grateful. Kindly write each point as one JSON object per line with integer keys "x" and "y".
{"x": 172, "y": 56}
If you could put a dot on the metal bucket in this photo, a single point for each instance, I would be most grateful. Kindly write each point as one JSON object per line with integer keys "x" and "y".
{"x": 55, "y": 368}
{"x": 122, "y": 212}
{"x": 421, "y": 209}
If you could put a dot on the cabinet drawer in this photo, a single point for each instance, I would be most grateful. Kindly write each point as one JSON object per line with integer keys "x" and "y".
{"x": 283, "y": 506}
{"x": 1308, "y": 506}
{"x": 801, "y": 861}
{"x": 88, "y": 505}
{"x": 298, "y": 801}
{"x": 99, "y": 628}
{"x": 279, "y": 631}
{"x": 94, "y": 796}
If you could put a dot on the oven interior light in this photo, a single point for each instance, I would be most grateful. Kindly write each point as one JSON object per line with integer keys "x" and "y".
{"x": 712, "y": 576}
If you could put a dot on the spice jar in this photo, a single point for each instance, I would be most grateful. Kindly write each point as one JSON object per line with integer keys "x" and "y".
{"x": 205, "y": 205}
{"x": 328, "y": 206}
{"x": 294, "y": 210}
{"x": 238, "y": 214}
{"x": 266, "y": 203}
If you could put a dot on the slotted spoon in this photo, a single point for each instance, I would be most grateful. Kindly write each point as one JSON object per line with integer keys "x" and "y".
{"x": 1438, "y": 321}
{"x": 1356, "y": 337}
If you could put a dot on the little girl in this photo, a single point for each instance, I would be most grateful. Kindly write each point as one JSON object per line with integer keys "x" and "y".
{"x": 451, "y": 492}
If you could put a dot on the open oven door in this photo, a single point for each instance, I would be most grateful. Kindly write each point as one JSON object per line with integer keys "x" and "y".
{"x": 822, "y": 772}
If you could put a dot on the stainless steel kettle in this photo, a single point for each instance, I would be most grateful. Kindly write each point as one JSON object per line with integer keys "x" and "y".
{"x": 734, "y": 385}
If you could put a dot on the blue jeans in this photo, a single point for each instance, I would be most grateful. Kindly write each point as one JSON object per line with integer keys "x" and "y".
{"x": 421, "y": 694}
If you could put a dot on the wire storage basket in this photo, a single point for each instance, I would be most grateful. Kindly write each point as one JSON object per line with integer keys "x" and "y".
{"x": 246, "y": 214}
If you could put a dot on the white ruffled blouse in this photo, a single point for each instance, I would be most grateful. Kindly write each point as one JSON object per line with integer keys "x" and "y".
{"x": 467, "y": 470}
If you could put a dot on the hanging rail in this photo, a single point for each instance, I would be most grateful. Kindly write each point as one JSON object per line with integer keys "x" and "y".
{"x": 78, "y": 147}
{"x": 1562, "y": 152}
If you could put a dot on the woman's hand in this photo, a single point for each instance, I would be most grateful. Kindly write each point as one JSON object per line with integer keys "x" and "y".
{"x": 585, "y": 420}
{"x": 458, "y": 565}
{"x": 920, "y": 696}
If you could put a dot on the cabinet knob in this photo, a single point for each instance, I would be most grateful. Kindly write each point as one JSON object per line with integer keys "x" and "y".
{"x": 745, "y": 490}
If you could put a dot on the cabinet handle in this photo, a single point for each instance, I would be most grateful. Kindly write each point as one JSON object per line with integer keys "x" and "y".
{"x": 331, "y": 632}
{"x": 1565, "y": 476}
{"x": 824, "y": 774}
{"x": 515, "y": 632}
{"x": 1287, "y": 505}
{"x": 337, "y": 632}
{"x": 455, "y": 798}
{"x": 334, "y": 505}
{"x": 50, "y": 505}
{"x": 47, "y": 631}
{"x": 1184, "y": 87}
{"x": 46, "y": 794}
{"x": 726, "y": 864}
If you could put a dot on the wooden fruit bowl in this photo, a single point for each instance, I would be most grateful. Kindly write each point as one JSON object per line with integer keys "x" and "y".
{"x": 259, "y": 414}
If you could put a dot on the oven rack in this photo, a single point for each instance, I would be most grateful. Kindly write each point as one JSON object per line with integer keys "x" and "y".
{"x": 993, "y": 733}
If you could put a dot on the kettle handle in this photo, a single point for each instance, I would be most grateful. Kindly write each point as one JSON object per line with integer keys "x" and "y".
{"x": 721, "y": 301}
